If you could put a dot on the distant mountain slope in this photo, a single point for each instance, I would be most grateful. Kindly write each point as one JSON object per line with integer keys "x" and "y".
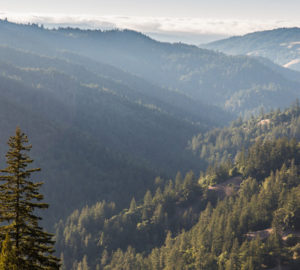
{"x": 282, "y": 46}
{"x": 91, "y": 142}
{"x": 98, "y": 132}
{"x": 124, "y": 84}
{"x": 238, "y": 84}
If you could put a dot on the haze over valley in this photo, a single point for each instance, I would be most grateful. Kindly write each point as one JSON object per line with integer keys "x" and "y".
{"x": 164, "y": 142}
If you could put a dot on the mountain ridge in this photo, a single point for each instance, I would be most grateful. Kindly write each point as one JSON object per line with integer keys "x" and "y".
{"x": 280, "y": 45}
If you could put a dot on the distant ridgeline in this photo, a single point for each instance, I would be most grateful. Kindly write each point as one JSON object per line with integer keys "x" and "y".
{"x": 241, "y": 214}
{"x": 238, "y": 84}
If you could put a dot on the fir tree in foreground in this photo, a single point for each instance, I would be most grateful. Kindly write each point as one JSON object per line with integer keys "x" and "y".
{"x": 25, "y": 240}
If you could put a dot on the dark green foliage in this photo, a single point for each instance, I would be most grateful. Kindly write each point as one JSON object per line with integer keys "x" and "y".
{"x": 219, "y": 145}
{"x": 270, "y": 155}
{"x": 252, "y": 203}
{"x": 19, "y": 199}
{"x": 245, "y": 230}
{"x": 143, "y": 226}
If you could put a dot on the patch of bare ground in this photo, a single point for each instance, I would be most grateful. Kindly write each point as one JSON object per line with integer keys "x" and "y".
{"x": 264, "y": 122}
{"x": 263, "y": 234}
{"x": 287, "y": 233}
{"x": 228, "y": 187}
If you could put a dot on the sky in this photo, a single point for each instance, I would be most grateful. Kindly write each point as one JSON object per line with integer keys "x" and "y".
{"x": 193, "y": 21}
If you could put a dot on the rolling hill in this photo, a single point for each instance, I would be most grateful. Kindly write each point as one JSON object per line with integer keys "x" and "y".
{"x": 282, "y": 46}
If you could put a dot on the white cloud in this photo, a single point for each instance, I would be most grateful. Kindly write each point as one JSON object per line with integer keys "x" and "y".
{"x": 159, "y": 25}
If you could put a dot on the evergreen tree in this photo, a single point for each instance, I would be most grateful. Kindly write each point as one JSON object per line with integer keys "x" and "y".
{"x": 233, "y": 263}
{"x": 83, "y": 265}
{"x": 132, "y": 206}
{"x": 148, "y": 198}
{"x": 19, "y": 198}
{"x": 104, "y": 257}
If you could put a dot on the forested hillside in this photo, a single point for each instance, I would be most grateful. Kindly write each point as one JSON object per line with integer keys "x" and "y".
{"x": 256, "y": 227}
{"x": 142, "y": 169}
{"x": 243, "y": 213}
{"x": 243, "y": 84}
{"x": 221, "y": 144}
{"x": 92, "y": 130}
{"x": 86, "y": 101}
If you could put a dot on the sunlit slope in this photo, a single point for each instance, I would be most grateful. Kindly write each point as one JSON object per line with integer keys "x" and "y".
{"x": 282, "y": 46}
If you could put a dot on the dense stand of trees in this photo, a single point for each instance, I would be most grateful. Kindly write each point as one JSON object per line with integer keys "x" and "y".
{"x": 173, "y": 206}
{"x": 190, "y": 222}
{"x": 220, "y": 144}
{"x": 256, "y": 227}
{"x": 186, "y": 223}
{"x": 242, "y": 213}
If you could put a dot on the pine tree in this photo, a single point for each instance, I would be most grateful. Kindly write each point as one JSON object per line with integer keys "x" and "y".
{"x": 104, "y": 257}
{"x": 19, "y": 199}
{"x": 148, "y": 198}
{"x": 83, "y": 265}
{"x": 233, "y": 263}
{"x": 132, "y": 206}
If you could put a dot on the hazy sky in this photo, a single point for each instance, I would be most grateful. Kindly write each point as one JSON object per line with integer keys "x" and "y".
{"x": 167, "y": 17}
{"x": 225, "y": 9}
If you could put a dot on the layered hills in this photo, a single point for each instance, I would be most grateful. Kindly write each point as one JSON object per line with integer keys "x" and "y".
{"x": 107, "y": 111}
{"x": 91, "y": 133}
{"x": 114, "y": 115}
{"x": 237, "y": 84}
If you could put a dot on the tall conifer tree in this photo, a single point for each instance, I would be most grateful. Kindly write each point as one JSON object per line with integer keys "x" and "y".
{"x": 19, "y": 199}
